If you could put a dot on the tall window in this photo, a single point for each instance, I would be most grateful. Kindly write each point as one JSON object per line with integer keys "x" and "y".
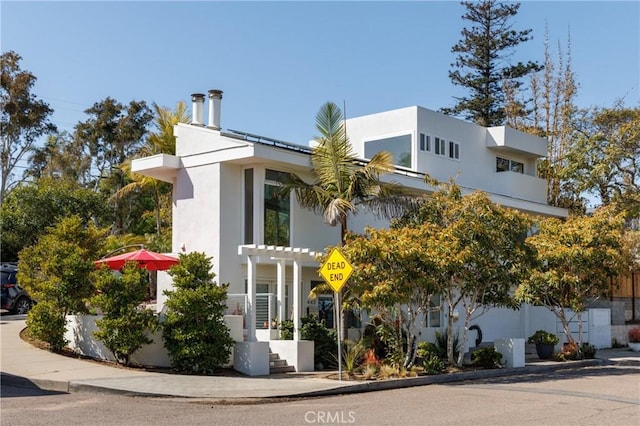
{"x": 439, "y": 146}
{"x": 454, "y": 150}
{"x": 325, "y": 309}
{"x": 398, "y": 146}
{"x": 277, "y": 211}
{"x": 248, "y": 206}
{"x": 425, "y": 142}
{"x": 434, "y": 315}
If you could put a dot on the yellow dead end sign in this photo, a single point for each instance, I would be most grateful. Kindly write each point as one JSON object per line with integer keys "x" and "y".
{"x": 336, "y": 270}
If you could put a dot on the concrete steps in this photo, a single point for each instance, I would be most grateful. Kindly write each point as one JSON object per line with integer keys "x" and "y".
{"x": 277, "y": 365}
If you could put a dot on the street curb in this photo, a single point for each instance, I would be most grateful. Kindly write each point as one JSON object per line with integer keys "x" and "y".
{"x": 373, "y": 386}
{"x": 43, "y": 384}
{"x": 75, "y": 387}
{"x": 362, "y": 387}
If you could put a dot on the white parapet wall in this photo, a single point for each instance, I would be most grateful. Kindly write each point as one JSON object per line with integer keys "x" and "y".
{"x": 79, "y": 334}
{"x": 80, "y": 329}
{"x": 251, "y": 358}
{"x": 512, "y": 350}
{"x": 299, "y": 353}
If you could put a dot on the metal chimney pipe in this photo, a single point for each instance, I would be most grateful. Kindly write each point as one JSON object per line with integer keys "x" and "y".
{"x": 197, "y": 109}
{"x": 215, "y": 99}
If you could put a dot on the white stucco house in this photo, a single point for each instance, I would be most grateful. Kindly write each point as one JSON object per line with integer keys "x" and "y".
{"x": 264, "y": 247}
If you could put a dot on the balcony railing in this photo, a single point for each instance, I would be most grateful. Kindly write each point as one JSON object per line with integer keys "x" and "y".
{"x": 265, "y": 309}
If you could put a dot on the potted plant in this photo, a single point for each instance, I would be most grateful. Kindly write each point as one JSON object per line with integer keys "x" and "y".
{"x": 545, "y": 343}
{"x": 634, "y": 339}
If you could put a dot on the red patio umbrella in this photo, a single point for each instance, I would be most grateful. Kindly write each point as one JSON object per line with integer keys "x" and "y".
{"x": 150, "y": 260}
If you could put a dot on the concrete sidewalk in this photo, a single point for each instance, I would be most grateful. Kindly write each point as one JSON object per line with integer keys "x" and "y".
{"x": 23, "y": 364}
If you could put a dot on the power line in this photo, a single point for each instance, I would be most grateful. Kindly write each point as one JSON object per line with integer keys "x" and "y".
{"x": 66, "y": 101}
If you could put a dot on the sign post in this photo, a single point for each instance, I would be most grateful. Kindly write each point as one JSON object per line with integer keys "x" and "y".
{"x": 336, "y": 271}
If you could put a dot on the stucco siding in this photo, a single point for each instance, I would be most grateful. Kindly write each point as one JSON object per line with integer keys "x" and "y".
{"x": 229, "y": 230}
{"x": 196, "y": 217}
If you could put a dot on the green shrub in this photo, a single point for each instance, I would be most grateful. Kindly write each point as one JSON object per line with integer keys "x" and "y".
{"x": 326, "y": 341}
{"x": 286, "y": 330}
{"x": 125, "y": 334}
{"x": 325, "y": 347}
{"x": 615, "y": 344}
{"x": 123, "y": 330}
{"x": 425, "y": 349}
{"x": 588, "y": 351}
{"x": 487, "y": 358}
{"x": 441, "y": 343}
{"x": 56, "y": 271}
{"x": 352, "y": 356}
{"x": 45, "y": 322}
{"x": 194, "y": 331}
{"x": 395, "y": 343}
{"x": 433, "y": 364}
{"x": 544, "y": 338}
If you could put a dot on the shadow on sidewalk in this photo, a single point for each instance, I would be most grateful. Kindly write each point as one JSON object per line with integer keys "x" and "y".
{"x": 564, "y": 374}
{"x": 18, "y": 386}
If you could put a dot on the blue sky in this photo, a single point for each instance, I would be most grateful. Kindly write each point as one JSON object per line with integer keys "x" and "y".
{"x": 278, "y": 62}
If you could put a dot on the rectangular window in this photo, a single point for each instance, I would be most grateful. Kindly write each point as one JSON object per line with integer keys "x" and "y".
{"x": 439, "y": 146}
{"x": 425, "y": 142}
{"x": 354, "y": 320}
{"x": 325, "y": 309}
{"x": 277, "y": 212}
{"x": 502, "y": 164}
{"x": 434, "y": 314}
{"x": 248, "y": 206}
{"x": 505, "y": 165}
{"x": 517, "y": 167}
{"x": 454, "y": 150}
{"x": 398, "y": 146}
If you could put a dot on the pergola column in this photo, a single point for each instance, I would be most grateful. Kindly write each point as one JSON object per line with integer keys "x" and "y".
{"x": 297, "y": 273}
{"x": 251, "y": 298}
{"x": 280, "y": 306}
{"x": 281, "y": 255}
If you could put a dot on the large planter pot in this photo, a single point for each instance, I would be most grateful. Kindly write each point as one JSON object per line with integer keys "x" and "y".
{"x": 544, "y": 350}
{"x": 634, "y": 346}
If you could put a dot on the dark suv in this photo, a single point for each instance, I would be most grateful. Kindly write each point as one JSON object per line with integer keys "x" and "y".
{"x": 13, "y": 297}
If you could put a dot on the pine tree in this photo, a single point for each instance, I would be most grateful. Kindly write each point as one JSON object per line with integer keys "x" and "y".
{"x": 482, "y": 64}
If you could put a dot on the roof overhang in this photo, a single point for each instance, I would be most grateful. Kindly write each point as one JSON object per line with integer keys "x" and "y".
{"x": 161, "y": 166}
{"x": 506, "y": 139}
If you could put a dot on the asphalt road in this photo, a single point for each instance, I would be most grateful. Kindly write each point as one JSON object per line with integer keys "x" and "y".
{"x": 590, "y": 396}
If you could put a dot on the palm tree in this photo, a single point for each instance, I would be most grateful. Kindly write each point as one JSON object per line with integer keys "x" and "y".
{"x": 162, "y": 141}
{"x": 342, "y": 183}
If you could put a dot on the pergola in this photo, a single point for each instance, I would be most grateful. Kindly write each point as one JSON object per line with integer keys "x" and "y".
{"x": 281, "y": 255}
